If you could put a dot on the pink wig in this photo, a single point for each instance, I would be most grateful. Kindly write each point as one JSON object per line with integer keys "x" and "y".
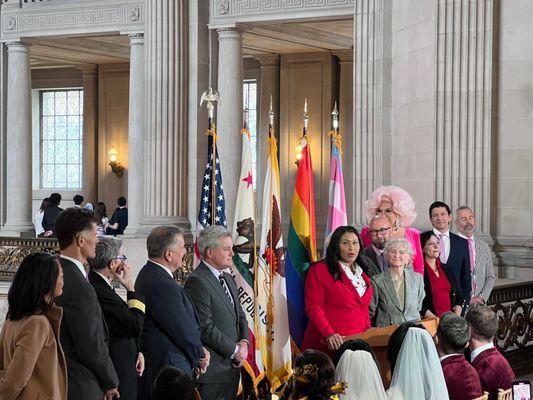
{"x": 402, "y": 204}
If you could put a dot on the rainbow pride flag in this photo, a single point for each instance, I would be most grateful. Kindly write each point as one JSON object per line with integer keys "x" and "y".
{"x": 301, "y": 243}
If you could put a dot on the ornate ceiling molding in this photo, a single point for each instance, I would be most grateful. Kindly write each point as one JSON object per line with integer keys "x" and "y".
{"x": 228, "y": 12}
{"x": 73, "y": 17}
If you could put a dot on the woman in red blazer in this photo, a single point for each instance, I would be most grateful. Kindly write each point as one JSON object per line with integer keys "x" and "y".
{"x": 337, "y": 294}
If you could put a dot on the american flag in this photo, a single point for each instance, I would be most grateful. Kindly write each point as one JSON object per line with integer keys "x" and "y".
{"x": 212, "y": 205}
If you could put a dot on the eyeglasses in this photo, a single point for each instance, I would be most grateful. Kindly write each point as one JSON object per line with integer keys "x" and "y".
{"x": 122, "y": 258}
{"x": 381, "y": 231}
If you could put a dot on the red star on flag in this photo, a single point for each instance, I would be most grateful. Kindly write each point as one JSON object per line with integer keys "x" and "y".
{"x": 248, "y": 180}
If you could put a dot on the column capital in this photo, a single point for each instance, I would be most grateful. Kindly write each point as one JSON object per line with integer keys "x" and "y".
{"x": 88, "y": 70}
{"x": 136, "y": 39}
{"x": 344, "y": 55}
{"x": 268, "y": 60}
{"x": 229, "y": 33}
{"x": 17, "y": 47}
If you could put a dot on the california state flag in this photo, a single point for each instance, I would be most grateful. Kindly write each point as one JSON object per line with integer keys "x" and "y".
{"x": 271, "y": 317}
{"x": 244, "y": 260}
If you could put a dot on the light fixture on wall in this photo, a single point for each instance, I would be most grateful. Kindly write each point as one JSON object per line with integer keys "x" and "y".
{"x": 116, "y": 167}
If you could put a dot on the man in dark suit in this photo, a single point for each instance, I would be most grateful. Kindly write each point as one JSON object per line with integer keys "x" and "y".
{"x": 50, "y": 214}
{"x": 171, "y": 334}
{"x": 223, "y": 323}
{"x": 125, "y": 320}
{"x": 452, "y": 339}
{"x": 373, "y": 256}
{"x": 91, "y": 375}
{"x": 119, "y": 219}
{"x": 454, "y": 255}
{"x": 493, "y": 369}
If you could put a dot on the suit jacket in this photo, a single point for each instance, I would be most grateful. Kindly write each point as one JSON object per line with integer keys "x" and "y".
{"x": 455, "y": 293}
{"x": 333, "y": 307}
{"x": 49, "y": 217}
{"x": 371, "y": 265}
{"x": 458, "y": 266}
{"x": 385, "y": 308}
{"x": 484, "y": 270}
{"x": 125, "y": 322}
{"x": 222, "y": 324}
{"x": 84, "y": 338}
{"x": 33, "y": 339}
{"x": 171, "y": 335}
{"x": 461, "y": 378}
{"x": 494, "y": 372}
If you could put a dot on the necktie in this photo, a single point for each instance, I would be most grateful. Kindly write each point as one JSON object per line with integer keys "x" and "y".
{"x": 442, "y": 247}
{"x": 382, "y": 262}
{"x": 225, "y": 287}
{"x": 472, "y": 264}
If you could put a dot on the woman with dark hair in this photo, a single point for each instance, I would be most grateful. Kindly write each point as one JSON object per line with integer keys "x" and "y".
{"x": 174, "y": 384}
{"x": 32, "y": 363}
{"x": 314, "y": 377}
{"x": 38, "y": 218}
{"x": 354, "y": 345}
{"x": 101, "y": 217}
{"x": 396, "y": 340}
{"x": 337, "y": 294}
{"x": 442, "y": 293}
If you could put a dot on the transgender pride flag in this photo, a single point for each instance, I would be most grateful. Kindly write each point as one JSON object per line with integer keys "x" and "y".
{"x": 337, "y": 201}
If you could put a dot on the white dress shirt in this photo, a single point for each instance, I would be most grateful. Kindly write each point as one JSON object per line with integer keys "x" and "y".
{"x": 446, "y": 237}
{"x": 480, "y": 350}
{"x": 355, "y": 277}
{"x": 167, "y": 269}
{"x": 77, "y": 264}
{"x": 448, "y": 355}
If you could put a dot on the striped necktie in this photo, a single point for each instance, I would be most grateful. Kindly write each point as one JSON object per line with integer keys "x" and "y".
{"x": 225, "y": 287}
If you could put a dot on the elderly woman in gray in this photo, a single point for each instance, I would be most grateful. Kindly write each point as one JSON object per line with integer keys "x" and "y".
{"x": 398, "y": 291}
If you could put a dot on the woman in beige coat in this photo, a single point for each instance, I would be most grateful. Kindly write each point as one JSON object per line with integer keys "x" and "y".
{"x": 32, "y": 365}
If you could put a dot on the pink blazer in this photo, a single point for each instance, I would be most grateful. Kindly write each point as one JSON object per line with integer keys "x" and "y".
{"x": 333, "y": 307}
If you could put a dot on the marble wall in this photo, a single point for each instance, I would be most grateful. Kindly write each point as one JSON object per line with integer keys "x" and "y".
{"x": 513, "y": 155}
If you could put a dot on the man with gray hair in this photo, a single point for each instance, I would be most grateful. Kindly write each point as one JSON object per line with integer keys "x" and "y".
{"x": 171, "y": 335}
{"x": 481, "y": 265}
{"x": 452, "y": 339}
{"x": 222, "y": 321}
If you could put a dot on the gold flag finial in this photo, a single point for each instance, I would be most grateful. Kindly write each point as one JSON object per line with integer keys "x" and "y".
{"x": 335, "y": 118}
{"x": 210, "y": 96}
{"x": 306, "y": 118}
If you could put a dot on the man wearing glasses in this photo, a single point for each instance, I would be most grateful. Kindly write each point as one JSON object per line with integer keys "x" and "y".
{"x": 373, "y": 256}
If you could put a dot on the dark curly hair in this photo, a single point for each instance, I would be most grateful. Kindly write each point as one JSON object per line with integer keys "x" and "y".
{"x": 35, "y": 278}
{"x": 333, "y": 253}
{"x": 313, "y": 386}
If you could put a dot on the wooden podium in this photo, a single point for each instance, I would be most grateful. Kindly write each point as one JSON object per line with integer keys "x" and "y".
{"x": 378, "y": 339}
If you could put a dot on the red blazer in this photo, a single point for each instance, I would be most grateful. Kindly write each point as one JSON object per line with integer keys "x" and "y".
{"x": 461, "y": 378}
{"x": 494, "y": 372}
{"x": 333, "y": 307}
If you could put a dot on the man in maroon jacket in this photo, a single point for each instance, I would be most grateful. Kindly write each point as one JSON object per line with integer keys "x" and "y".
{"x": 452, "y": 339}
{"x": 493, "y": 369}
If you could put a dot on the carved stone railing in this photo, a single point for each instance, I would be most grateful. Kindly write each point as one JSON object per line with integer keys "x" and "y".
{"x": 13, "y": 251}
{"x": 513, "y": 304}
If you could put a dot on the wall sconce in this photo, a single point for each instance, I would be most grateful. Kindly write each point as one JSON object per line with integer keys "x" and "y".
{"x": 116, "y": 167}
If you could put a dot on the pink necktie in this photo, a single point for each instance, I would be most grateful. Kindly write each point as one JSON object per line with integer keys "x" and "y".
{"x": 472, "y": 263}
{"x": 442, "y": 248}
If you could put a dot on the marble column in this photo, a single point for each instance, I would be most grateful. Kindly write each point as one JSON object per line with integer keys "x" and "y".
{"x": 90, "y": 126}
{"x": 166, "y": 93}
{"x": 464, "y": 89}
{"x": 3, "y": 125}
{"x": 345, "y": 104}
{"x": 268, "y": 86}
{"x": 229, "y": 113}
{"x": 136, "y": 134}
{"x": 372, "y": 101}
{"x": 18, "y": 141}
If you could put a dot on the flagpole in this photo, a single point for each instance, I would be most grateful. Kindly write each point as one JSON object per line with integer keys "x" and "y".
{"x": 211, "y": 97}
